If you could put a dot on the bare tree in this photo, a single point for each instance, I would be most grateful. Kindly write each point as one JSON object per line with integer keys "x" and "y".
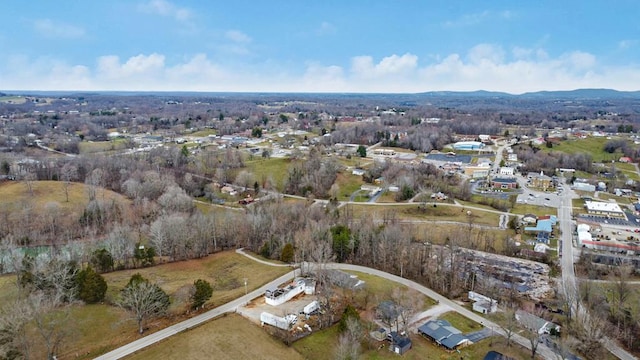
{"x": 68, "y": 173}
{"x": 51, "y": 317}
{"x": 349, "y": 341}
{"x": 408, "y": 304}
{"x": 14, "y": 338}
{"x": 508, "y": 323}
{"x": 144, "y": 300}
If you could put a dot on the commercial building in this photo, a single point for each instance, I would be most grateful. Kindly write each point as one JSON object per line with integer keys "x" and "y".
{"x": 604, "y": 209}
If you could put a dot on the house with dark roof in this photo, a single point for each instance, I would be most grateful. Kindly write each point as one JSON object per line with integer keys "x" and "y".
{"x": 494, "y": 355}
{"x": 442, "y": 333}
{"x": 399, "y": 344}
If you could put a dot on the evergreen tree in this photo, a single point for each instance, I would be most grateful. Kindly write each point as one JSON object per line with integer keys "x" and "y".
{"x": 287, "y": 253}
{"x": 201, "y": 294}
{"x": 91, "y": 286}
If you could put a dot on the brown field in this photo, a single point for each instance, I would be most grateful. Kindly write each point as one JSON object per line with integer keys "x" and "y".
{"x": 227, "y": 337}
{"x": 225, "y": 271}
{"x": 428, "y": 213}
{"x": 48, "y": 195}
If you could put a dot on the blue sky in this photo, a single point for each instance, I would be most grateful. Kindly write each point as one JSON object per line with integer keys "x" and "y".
{"x": 319, "y": 46}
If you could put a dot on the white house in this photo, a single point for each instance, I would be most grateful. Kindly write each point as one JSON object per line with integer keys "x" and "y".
{"x": 282, "y": 295}
{"x": 483, "y": 304}
{"x": 506, "y": 171}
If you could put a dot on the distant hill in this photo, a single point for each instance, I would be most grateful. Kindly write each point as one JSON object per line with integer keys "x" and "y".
{"x": 584, "y": 94}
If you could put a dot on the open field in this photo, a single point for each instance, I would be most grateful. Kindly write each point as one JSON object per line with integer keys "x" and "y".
{"x": 225, "y": 271}
{"x": 203, "y": 133}
{"x": 226, "y": 337}
{"x": 623, "y": 200}
{"x": 49, "y": 197}
{"x": 347, "y": 183}
{"x": 262, "y": 169}
{"x": 522, "y": 209}
{"x": 427, "y": 213}
{"x": 591, "y": 145}
{"x": 88, "y": 147}
{"x": 13, "y": 99}
{"x": 629, "y": 170}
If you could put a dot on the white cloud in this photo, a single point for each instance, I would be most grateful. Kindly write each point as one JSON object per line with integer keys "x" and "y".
{"x": 237, "y": 36}
{"x": 485, "y": 52}
{"x": 363, "y": 66}
{"x": 167, "y": 9}
{"x": 487, "y": 67}
{"x": 56, "y": 29}
{"x": 110, "y": 67}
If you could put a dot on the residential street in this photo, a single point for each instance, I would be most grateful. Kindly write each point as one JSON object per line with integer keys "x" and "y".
{"x": 569, "y": 284}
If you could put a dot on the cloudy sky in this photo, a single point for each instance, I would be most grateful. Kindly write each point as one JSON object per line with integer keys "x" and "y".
{"x": 319, "y": 46}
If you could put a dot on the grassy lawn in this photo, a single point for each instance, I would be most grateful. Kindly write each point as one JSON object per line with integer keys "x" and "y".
{"x": 602, "y": 196}
{"x": 321, "y": 345}
{"x": 384, "y": 288}
{"x": 13, "y": 99}
{"x": 347, "y": 184}
{"x": 629, "y": 170}
{"x": 227, "y": 337}
{"x": 533, "y": 209}
{"x": 387, "y": 197}
{"x": 440, "y": 212}
{"x": 460, "y": 322}
{"x": 225, "y": 271}
{"x": 263, "y": 168}
{"x": 592, "y": 145}
{"x": 203, "y": 133}
{"x": 88, "y": 147}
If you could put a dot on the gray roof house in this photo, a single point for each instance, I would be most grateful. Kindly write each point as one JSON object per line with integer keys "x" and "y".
{"x": 442, "y": 333}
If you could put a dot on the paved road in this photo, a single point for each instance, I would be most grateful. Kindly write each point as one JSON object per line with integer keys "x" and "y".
{"x": 194, "y": 321}
{"x": 568, "y": 271}
{"x": 543, "y": 351}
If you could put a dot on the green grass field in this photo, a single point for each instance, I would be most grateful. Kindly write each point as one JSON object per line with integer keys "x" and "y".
{"x": 13, "y": 99}
{"x": 225, "y": 271}
{"x": 460, "y": 322}
{"x": 428, "y": 213}
{"x": 276, "y": 168}
{"x": 591, "y": 145}
{"x": 203, "y": 133}
{"x": 522, "y": 209}
{"x": 347, "y": 185}
{"x": 89, "y": 147}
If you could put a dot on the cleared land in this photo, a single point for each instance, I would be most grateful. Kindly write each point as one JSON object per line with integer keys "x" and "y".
{"x": 415, "y": 212}
{"x": 228, "y": 337}
{"x": 89, "y": 147}
{"x": 263, "y": 169}
{"x": 48, "y": 196}
{"x": 593, "y": 146}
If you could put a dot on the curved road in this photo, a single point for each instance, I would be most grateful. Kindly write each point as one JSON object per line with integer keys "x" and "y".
{"x": 151, "y": 339}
